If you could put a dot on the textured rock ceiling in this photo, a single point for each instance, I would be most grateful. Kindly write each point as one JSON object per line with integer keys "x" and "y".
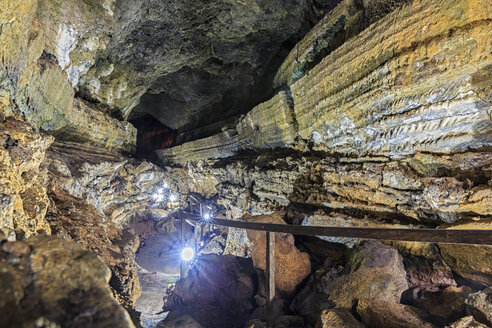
{"x": 193, "y": 61}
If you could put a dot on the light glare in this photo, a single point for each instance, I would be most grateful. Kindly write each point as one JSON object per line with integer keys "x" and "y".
{"x": 206, "y": 216}
{"x": 158, "y": 197}
{"x": 187, "y": 254}
{"x": 172, "y": 198}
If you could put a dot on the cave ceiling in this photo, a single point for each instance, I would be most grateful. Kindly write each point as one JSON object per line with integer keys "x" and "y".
{"x": 188, "y": 63}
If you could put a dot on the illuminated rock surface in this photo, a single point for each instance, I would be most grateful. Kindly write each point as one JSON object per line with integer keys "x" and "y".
{"x": 291, "y": 265}
{"x": 218, "y": 291}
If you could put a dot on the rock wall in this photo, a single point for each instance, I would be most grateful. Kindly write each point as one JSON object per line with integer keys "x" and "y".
{"x": 114, "y": 52}
{"x": 37, "y": 78}
{"x": 23, "y": 180}
{"x": 382, "y": 119}
{"x": 388, "y": 123}
{"x": 422, "y": 83}
{"x": 81, "y": 194}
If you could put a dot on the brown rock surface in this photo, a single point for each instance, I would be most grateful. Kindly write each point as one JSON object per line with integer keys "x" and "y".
{"x": 312, "y": 300}
{"x": 73, "y": 219}
{"x": 376, "y": 273}
{"x": 340, "y": 318}
{"x": 381, "y": 314}
{"x": 217, "y": 292}
{"x": 445, "y": 305}
{"x": 291, "y": 265}
{"x": 55, "y": 283}
{"x": 23, "y": 198}
{"x": 428, "y": 273}
{"x": 471, "y": 262}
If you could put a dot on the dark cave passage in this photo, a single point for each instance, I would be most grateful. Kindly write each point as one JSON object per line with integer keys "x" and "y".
{"x": 151, "y": 135}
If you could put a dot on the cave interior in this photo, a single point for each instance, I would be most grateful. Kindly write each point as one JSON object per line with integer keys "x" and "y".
{"x": 138, "y": 139}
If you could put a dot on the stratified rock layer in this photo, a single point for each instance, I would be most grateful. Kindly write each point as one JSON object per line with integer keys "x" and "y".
{"x": 268, "y": 125}
{"x": 422, "y": 84}
{"x": 346, "y": 20}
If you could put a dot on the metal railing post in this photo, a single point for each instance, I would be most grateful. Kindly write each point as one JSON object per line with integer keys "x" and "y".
{"x": 270, "y": 276}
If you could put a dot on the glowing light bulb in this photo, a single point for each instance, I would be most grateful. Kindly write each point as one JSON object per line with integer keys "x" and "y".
{"x": 160, "y": 190}
{"x": 172, "y": 198}
{"x": 187, "y": 254}
{"x": 158, "y": 197}
{"x": 206, "y": 216}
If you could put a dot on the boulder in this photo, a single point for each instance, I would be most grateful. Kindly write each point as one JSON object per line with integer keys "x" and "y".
{"x": 60, "y": 284}
{"x": 312, "y": 299}
{"x": 218, "y": 291}
{"x": 376, "y": 273}
{"x": 427, "y": 273}
{"x": 291, "y": 265}
{"x": 445, "y": 305}
{"x": 381, "y": 314}
{"x": 340, "y": 318}
{"x": 467, "y": 322}
{"x": 472, "y": 262}
{"x": 479, "y": 304}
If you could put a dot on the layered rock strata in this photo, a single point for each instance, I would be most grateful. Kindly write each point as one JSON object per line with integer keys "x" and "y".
{"x": 423, "y": 84}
